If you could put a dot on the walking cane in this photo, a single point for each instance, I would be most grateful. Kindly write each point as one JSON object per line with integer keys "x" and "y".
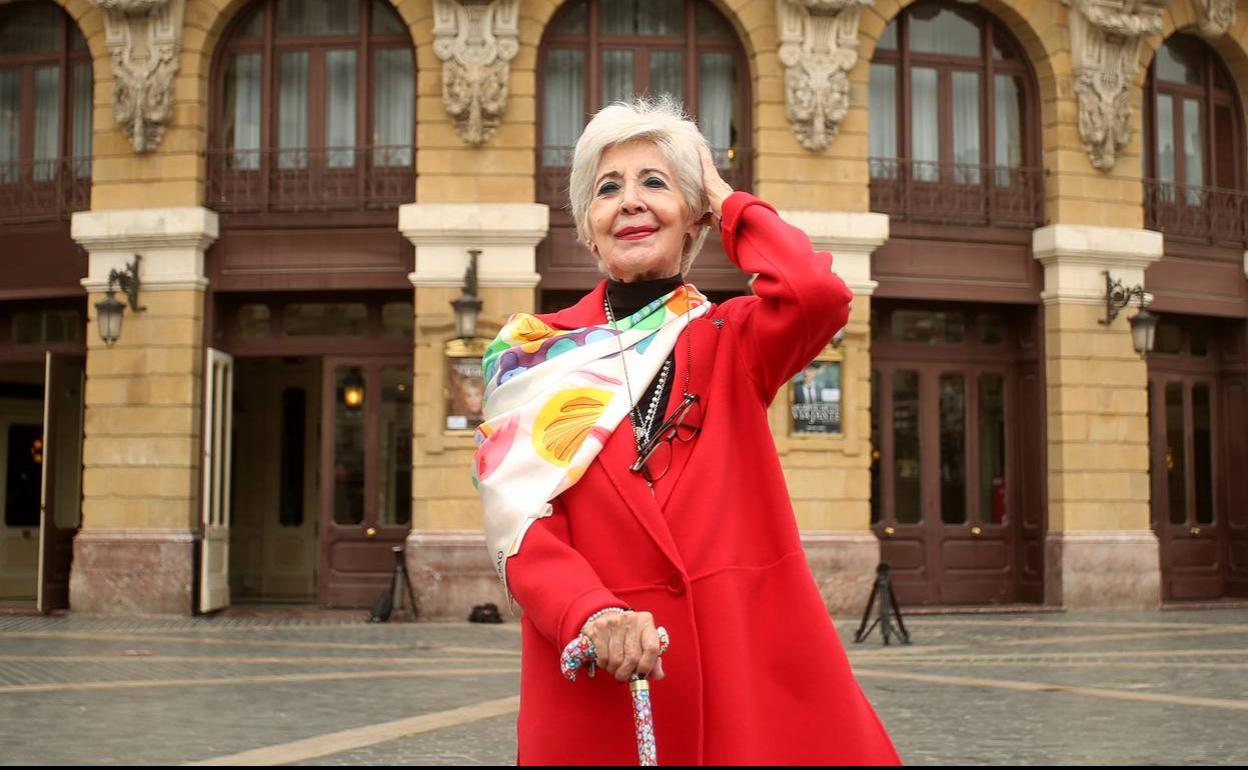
{"x": 580, "y": 653}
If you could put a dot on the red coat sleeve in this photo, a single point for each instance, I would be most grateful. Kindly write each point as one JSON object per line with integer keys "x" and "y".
{"x": 798, "y": 303}
{"x": 553, "y": 584}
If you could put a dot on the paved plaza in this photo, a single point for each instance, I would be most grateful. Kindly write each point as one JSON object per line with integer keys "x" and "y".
{"x": 1154, "y": 688}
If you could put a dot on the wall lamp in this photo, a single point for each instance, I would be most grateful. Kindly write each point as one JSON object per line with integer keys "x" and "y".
{"x": 467, "y": 305}
{"x": 110, "y": 310}
{"x": 1143, "y": 323}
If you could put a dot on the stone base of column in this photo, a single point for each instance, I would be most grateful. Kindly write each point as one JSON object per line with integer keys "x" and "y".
{"x": 133, "y": 572}
{"x": 843, "y": 564}
{"x": 451, "y": 573}
{"x": 1118, "y": 570}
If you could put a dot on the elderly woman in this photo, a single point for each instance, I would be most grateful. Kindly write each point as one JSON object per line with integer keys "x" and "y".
{"x": 629, "y": 479}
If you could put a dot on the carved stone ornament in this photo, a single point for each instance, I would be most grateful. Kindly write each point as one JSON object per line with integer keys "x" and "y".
{"x": 818, "y": 48}
{"x": 476, "y": 41}
{"x": 1105, "y": 50}
{"x": 1216, "y": 16}
{"x": 145, "y": 39}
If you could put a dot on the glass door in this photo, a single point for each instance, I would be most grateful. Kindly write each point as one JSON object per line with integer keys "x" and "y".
{"x": 366, "y": 475}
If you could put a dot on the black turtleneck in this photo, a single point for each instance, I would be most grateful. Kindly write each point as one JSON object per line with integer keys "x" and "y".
{"x": 628, "y": 298}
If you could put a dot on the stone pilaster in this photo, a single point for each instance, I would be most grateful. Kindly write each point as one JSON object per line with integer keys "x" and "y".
{"x": 446, "y": 554}
{"x": 1100, "y": 550}
{"x": 830, "y": 476}
{"x": 135, "y": 552}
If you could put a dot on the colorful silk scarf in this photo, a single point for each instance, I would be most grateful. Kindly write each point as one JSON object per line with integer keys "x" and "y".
{"x": 552, "y": 399}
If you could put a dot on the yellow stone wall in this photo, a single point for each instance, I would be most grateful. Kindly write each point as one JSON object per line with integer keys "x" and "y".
{"x": 142, "y": 420}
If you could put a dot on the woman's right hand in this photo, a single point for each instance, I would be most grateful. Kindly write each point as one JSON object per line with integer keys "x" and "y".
{"x": 627, "y": 642}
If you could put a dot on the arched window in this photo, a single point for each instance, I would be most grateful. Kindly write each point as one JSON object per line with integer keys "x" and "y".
{"x": 45, "y": 112}
{"x": 596, "y": 52}
{"x": 952, "y": 119}
{"x": 1195, "y": 159}
{"x": 314, "y": 108}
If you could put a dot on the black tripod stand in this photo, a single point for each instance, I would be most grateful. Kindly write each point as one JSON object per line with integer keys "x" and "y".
{"x": 392, "y": 599}
{"x": 889, "y": 611}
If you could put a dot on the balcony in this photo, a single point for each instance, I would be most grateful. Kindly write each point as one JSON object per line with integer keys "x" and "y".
{"x": 924, "y": 192}
{"x": 44, "y": 190}
{"x": 555, "y": 163}
{"x": 1209, "y": 215}
{"x": 334, "y": 179}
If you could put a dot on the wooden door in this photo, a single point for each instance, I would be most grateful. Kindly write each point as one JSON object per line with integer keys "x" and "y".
{"x": 214, "y": 564}
{"x": 60, "y": 506}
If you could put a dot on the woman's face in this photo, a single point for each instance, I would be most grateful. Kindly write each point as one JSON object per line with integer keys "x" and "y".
{"x": 638, "y": 220}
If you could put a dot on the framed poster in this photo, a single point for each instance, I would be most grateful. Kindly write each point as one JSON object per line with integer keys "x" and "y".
{"x": 464, "y": 393}
{"x": 815, "y": 399}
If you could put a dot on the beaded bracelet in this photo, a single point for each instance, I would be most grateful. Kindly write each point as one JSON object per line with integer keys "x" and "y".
{"x": 599, "y": 614}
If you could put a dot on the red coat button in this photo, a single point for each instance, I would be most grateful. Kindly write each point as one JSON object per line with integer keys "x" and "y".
{"x": 676, "y": 584}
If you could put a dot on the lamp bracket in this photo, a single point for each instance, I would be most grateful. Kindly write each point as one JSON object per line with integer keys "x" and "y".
{"x": 1118, "y": 296}
{"x": 127, "y": 280}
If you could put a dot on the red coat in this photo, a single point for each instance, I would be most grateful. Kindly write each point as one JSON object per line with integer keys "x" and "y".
{"x": 756, "y": 673}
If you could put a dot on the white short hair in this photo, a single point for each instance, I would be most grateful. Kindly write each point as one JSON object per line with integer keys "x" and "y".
{"x": 659, "y": 120}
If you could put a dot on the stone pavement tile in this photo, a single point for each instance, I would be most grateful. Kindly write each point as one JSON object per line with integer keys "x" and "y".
{"x": 487, "y": 742}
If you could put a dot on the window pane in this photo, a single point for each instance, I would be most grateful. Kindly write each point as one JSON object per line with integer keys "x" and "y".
{"x": 253, "y": 27}
{"x": 572, "y": 21}
{"x": 907, "y": 492}
{"x": 242, "y": 109}
{"x": 397, "y": 319}
{"x": 924, "y": 118}
{"x": 711, "y": 24}
{"x": 928, "y": 327}
{"x": 253, "y": 321}
{"x": 31, "y": 28}
{"x": 385, "y": 20}
{"x": 1168, "y": 338}
{"x": 394, "y": 106}
{"x": 395, "y": 494}
{"x": 340, "y": 107}
{"x": 1165, "y": 138}
{"x": 717, "y": 102}
{"x": 348, "y": 473}
{"x": 1008, "y": 133}
{"x": 888, "y": 38}
{"x": 1179, "y": 61}
{"x": 1223, "y": 148}
{"x": 1193, "y": 149}
{"x": 948, "y": 31}
{"x": 47, "y": 326}
{"x": 293, "y": 449}
{"x": 325, "y": 319}
{"x": 882, "y": 118}
{"x": 1176, "y": 453}
{"x": 318, "y": 17}
{"x": 642, "y": 17}
{"x": 990, "y": 328}
{"x": 82, "y": 107}
{"x": 563, "y": 105}
{"x": 617, "y": 76}
{"x": 667, "y": 74}
{"x": 47, "y": 121}
{"x": 292, "y": 111}
{"x": 10, "y": 121}
{"x": 952, "y": 449}
{"x": 992, "y": 489}
{"x": 1202, "y": 449}
{"x": 966, "y": 126}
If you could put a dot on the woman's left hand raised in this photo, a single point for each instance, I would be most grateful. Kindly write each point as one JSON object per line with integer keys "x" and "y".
{"x": 717, "y": 190}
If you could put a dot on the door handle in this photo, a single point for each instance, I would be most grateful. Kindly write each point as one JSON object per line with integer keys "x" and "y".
{"x": 976, "y": 532}
{"x": 371, "y": 532}
{"x": 889, "y": 532}
{"x": 1194, "y": 531}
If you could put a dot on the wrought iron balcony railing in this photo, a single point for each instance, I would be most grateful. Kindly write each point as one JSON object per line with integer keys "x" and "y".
{"x": 41, "y": 190}
{"x": 1212, "y": 215}
{"x": 957, "y": 193}
{"x": 311, "y": 179}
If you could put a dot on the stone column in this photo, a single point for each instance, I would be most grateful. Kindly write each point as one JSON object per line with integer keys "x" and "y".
{"x": 446, "y": 554}
{"x": 135, "y": 552}
{"x": 1100, "y": 550}
{"x": 829, "y": 477}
